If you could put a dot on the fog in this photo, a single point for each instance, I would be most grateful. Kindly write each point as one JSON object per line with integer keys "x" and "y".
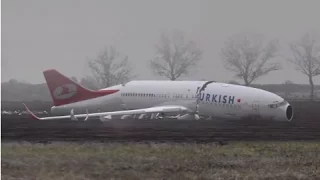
{"x": 62, "y": 34}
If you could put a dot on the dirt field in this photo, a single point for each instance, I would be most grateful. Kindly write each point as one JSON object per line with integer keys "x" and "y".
{"x": 241, "y": 160}
{"x": 305, "y": 126}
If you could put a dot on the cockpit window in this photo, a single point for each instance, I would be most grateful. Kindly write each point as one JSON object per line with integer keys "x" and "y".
{"x": 276, "y": 105}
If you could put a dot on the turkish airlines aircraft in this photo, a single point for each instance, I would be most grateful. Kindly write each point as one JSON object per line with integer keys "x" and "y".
{"x": 188, "y": 99}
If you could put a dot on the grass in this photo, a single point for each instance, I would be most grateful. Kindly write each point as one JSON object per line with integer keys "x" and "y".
{"x": 242, "y": 160}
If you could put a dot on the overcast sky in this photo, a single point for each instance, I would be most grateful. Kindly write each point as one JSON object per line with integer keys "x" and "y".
{"x": 61, "y": 34}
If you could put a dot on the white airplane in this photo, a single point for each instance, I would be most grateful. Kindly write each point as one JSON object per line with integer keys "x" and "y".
{"x": 187, "y": 99}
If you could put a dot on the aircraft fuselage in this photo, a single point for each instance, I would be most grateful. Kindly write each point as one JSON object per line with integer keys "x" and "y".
{"x": 216, "y": 99}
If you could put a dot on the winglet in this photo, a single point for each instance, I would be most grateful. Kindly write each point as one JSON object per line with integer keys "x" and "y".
{"x": 32, "y": 115}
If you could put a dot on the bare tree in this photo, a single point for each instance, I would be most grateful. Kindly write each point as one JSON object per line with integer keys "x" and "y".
{"x": 89, "y": 83}
{"x": 109, "y": 69}
{"x": 249, "y": 57}
{"x": 175, "y": 56}
{"x": 307, "y": 58}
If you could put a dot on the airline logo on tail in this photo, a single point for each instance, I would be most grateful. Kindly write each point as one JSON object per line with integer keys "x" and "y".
{"x": 65, "y": 91}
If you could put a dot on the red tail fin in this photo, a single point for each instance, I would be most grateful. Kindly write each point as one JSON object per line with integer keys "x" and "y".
{"x": 64, "y": 91}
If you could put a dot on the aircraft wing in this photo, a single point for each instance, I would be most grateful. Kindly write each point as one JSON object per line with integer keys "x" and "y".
{"x": 156, "y": 109}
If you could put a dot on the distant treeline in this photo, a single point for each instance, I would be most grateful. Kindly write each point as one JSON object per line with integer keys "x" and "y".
{"x": 19, "y": 91}
{"x": 33, "y": 105}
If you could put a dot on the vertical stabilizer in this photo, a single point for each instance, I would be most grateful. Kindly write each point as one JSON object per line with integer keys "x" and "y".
{"x": 64, "y": 91}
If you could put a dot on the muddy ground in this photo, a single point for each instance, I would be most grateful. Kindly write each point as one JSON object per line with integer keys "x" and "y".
{"x": 305, "y": 126}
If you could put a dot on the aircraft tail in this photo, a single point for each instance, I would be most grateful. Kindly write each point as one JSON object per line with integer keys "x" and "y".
{"x": 65, "y": 91}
